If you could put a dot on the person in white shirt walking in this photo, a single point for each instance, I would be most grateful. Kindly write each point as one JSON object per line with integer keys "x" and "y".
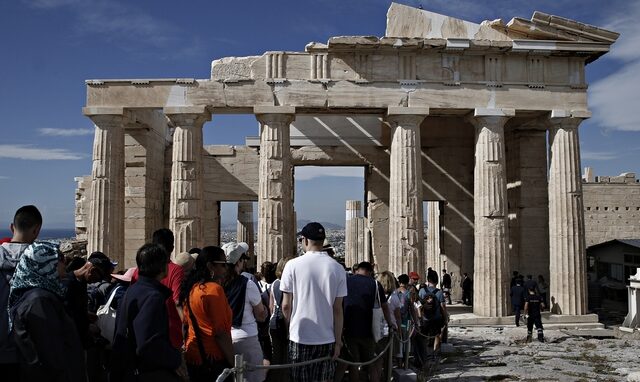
{"x": 314, "y": 286}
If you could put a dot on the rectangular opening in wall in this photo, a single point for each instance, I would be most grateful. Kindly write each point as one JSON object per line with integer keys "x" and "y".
{"x": 239, "y": 222}
{"x": 231, "y": 129}
{"x": 322, "y": 194}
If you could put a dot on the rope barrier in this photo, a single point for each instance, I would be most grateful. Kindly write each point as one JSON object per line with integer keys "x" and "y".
{"x": 413, "y": 330}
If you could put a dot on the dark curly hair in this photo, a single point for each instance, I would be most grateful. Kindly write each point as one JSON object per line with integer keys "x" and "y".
{"x": 200, "y": 273}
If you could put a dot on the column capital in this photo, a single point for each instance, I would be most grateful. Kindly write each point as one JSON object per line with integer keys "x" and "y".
{"x": 105, "y": 117}
{"x": 490, "y": 118}
{"x": 275, "y": 114}
{"x": 567, "y": 120}
{"x": 186, "y": 116}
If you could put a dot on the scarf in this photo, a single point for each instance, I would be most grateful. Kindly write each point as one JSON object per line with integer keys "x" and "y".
{"x": 38, "y": 268}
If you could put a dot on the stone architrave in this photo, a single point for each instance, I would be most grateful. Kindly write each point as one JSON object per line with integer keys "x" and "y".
{"x": 244, "y": 229}
{"x": 275, "y": 197}
{"x": 567, "y": 268}
{"x": 406, "y": 235}
{"x": 491, "y": 260}
{"x": 186, "y": 204}
{"x": 106, "y": 211}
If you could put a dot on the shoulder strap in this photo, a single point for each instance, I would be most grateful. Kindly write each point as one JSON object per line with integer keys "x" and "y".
{"x": 196, "y": 329}
{"x": 377, "y": 299}
{"x": 111, "y": 296}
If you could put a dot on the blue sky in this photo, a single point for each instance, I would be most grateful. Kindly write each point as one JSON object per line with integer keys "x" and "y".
{"x": 49, "y": 47}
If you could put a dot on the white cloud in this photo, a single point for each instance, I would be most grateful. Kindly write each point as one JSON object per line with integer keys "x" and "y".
{"x": 614, "y": 99}
{"x": 51, "y": 132}
{"x": 28, "y": 152}
{"x": 598, "y": 155}
{"x": 311, "y": 172}
{"x": 116, "y": 22}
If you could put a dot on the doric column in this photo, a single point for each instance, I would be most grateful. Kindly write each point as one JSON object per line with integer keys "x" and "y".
{"x": 566, "y": 217}
{"x": 275, "y": 197}
{"x": 351, "y": 234}
{"x": 186, "y": 205}
{"x": 491, "y": 261}
{"x": 406, "y": 236}
{"x": 106, "y": 211}
{"x": 433, "y": 235}
{"x": 244, "y": 228}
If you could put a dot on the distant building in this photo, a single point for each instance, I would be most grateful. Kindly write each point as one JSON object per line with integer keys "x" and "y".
{"x": 615, "y": 259}
{"x": 611, "y": 207}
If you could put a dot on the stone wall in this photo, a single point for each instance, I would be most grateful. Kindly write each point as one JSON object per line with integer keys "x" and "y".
{"x": 612, "y": 208}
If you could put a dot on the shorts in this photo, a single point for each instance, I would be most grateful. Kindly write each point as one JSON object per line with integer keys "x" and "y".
{"x": 358, "y": 349}
{"x": 319, "y": 371}
{"x": 433, "y": 327}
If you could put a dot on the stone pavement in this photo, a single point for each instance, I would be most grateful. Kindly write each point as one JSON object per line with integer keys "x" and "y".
{"x": 501, "y": 354}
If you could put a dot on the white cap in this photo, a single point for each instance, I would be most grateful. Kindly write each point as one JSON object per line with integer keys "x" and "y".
{"x": 233, "y": 251}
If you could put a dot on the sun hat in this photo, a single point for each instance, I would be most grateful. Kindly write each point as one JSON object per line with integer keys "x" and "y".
{"x": 234, "y": 251}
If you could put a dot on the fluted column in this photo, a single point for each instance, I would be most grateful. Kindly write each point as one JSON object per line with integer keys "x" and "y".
{"x": 433, "y": 235}
{"x": 275, "y": 197}
{"x": 244, "y": 228}
{"x": 491, "y": 260}
{"x": 351, "y": 234}
{"x": 567, "y": 269}
{"x": 406, "y": 235}
{"x": 186, "y": 205}
{"x": 106, "y": 211}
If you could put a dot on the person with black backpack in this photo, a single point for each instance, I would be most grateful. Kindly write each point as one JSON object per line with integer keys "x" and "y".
{"x": 434, "y": 312}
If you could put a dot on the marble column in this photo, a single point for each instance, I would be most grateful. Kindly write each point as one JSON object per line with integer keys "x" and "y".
{"x": 491, "y": 260}
{"x": 186, "y": 205}
{"x": 244, "y": 229}
{"x": 275, "y": 196}
{"x": 351, "y": 234}
{"x": 406, "y": 235}
{"x": 433, "y": 235}
{"x": 106, "y": 211}
{"x": 567, "y": 268}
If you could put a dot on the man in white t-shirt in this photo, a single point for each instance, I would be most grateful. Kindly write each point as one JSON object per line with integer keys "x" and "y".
{"x": 314, "y": 286}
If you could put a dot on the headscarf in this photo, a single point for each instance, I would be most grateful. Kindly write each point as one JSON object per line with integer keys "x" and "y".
{"x": 38, "y": 268}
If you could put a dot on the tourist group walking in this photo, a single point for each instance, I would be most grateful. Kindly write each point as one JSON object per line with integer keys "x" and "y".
{"x": 186, "y": 316}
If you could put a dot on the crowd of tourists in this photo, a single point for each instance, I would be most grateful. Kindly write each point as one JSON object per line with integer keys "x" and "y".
{"x": 185, "y": 316}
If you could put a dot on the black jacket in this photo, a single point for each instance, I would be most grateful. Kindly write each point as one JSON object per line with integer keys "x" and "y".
{"x": 49, "y": 348}
{"x": 142, "y": 331}
{"x": 518, "y": 294}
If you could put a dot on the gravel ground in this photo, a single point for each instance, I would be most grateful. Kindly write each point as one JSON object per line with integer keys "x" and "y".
{"x": 501, "y": 354}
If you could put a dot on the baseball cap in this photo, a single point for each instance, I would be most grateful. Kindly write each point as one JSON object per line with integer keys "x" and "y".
{"x": 128, "y": 275}
{"x": 98, "y": 254}
{"x": 102, "y": 263}
{"x": 234, "y": 251}
{"x": 414, "y": 275}
{"x": 184, "y": 259}
{"x": 313, "y": 231}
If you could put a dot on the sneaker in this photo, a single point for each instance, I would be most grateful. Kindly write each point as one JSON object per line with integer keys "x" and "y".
{"x": 541, "y": 338}
{"x": 529, "y": 338}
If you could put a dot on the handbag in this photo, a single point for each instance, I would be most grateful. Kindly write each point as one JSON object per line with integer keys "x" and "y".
{"x": 376, "y": 321}
{"x": 107, "y": 318}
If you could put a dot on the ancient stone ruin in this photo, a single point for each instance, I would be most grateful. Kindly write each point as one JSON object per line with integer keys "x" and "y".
{"x": 462, "y": 115}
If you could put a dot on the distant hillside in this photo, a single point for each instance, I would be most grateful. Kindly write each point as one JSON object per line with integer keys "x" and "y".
{"x": 231, "y": 226}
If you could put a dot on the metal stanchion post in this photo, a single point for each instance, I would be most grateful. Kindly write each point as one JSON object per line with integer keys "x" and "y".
{"x": 239, "y": 366}
{"x": 407, "y": 350}
{"x": 390, "y": 356}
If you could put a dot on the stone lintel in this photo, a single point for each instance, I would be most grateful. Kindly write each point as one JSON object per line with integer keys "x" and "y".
{"x": 399, "y": 110}
{"x": 274, "y": 110}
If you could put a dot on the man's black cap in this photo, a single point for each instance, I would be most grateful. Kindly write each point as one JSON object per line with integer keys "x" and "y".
{"x": 313, "y": 231}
